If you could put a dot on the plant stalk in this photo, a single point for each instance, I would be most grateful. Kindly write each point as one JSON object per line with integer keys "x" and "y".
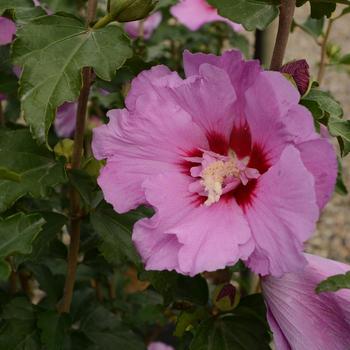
{"x": 2, "y": 117}
{"x": 322, "y": 67}
{"x": 75, "y": 208}
{"x": 285, "y": 21}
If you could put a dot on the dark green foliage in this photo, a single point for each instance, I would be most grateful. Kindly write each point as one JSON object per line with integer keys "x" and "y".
{"x": 252, "y": 14}
{"x": 334, "y": 283}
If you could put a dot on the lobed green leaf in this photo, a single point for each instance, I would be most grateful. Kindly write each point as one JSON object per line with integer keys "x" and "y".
{"x": 36, "y": 166}
{"x": 52, "y": 51}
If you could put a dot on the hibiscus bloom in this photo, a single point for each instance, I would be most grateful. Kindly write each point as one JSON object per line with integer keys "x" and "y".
{"x": 195, "y": 13}
{"x": 227, "y": 157}
{"x": 65, "y": 119}
{"x": 159, "y": 346}
{"x": 301, "y": 319}
{"x": 149, "y": 25}
{"x": 7, "y": 30}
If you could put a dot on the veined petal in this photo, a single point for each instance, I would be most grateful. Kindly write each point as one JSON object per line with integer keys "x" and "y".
{"x": 194, "y": 13}
{"x": 269, "y": 100}
{"x": 7, "y": 30}
{"x": 149, "y": 84}
{"x": 282, "y": 215}
{"x": 210, "y": 237}
{"x": 317, "y": 152}
{"x": 138, "y": 146}
{"x": 193, "y": 94}
{"x": 301, "y": 319}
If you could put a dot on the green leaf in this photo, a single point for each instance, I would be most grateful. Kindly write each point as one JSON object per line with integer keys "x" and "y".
{"x": 85, "y": 185}
{"x": 61, "y": 5}
{"x": 115, "y": 233}
{"x": 313, "y": 26}
{"x": 341, "y": 129}
{"x": 17, "y": 234}
{"x": 107, "y": 332}
{"x": 19, "y": 331}
{"x": 243, "y": 329}
{"x": 320, "y": 8}
{"x": 179, "y": 288}
{"x": 340, "y": 186}
{"x": 322, "y": 104}
{"x": 36, "y": 165}
{"x": 252, "y": 14}
{"x": 49, "y": 77}
{"x": 7, "y": 174}
{"x": 54, "y": 329}
{"x": 24, "y": 10}
{"x": 345, "y": 59}
{"x": 50, "y": 230}
{"x": 334, "y": 283}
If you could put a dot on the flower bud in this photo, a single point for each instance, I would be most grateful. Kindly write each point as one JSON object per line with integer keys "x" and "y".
{"x": 226, "y": 297}
{"x": 130, "y": 10}
{"x": 298, "y": 72}
{"x": 64, "y": 148}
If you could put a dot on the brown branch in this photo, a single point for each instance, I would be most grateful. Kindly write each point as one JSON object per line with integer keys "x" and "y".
{"x": 285, "y": 21}
{"x": 75, "y": 208}
{"x": 2, "y": 117}
{"x": 322, "y": 67}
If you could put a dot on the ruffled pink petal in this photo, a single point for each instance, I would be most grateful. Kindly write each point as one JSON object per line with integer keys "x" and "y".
{"x": 65, "y": 119}
{"x": 320, "y": 160}
{"x": 140, "y": 145}
{"x": 300, "y": 124}
{"x": 159, "y": 346}
{"x": 210, "y": 238}
{"x": 150, "y": 84}
{"x": 317, "y": 153}
{"x": 278, "y": 337}
{"x": 242, "y": 73}
{"x": 209, "y": 98}
{"x": 7, "y": 30}
{"x": 195, "y": 13}
{"x": 268, "y": 101}
{"x": 301, "y": 319}
{"x": 159, "y": 85}
{"x": 282, "y": 215}
{"x": 149, "y": 25}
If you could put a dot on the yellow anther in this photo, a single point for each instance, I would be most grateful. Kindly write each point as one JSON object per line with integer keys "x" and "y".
{"x": 213, "y": 177}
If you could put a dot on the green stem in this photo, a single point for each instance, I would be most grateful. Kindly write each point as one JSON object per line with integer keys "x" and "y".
{"x": 322, "y": 67}
{"x": 102, "y": 22}
{"x": 2, "y": 118}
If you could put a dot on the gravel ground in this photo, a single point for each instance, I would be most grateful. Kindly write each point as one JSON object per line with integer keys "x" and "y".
{"x": 332, "y": 237}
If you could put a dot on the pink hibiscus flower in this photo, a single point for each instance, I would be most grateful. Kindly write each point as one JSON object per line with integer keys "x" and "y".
{"x": 149, "y": 25}
{"x": 301, "y": 319}
{"x": 159, "y": 346}
{"x": 195, "y": 13}
{"x": 7, "y": 30}
{"x": 65, "y": 119}
{"x": 227, "y": 157}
